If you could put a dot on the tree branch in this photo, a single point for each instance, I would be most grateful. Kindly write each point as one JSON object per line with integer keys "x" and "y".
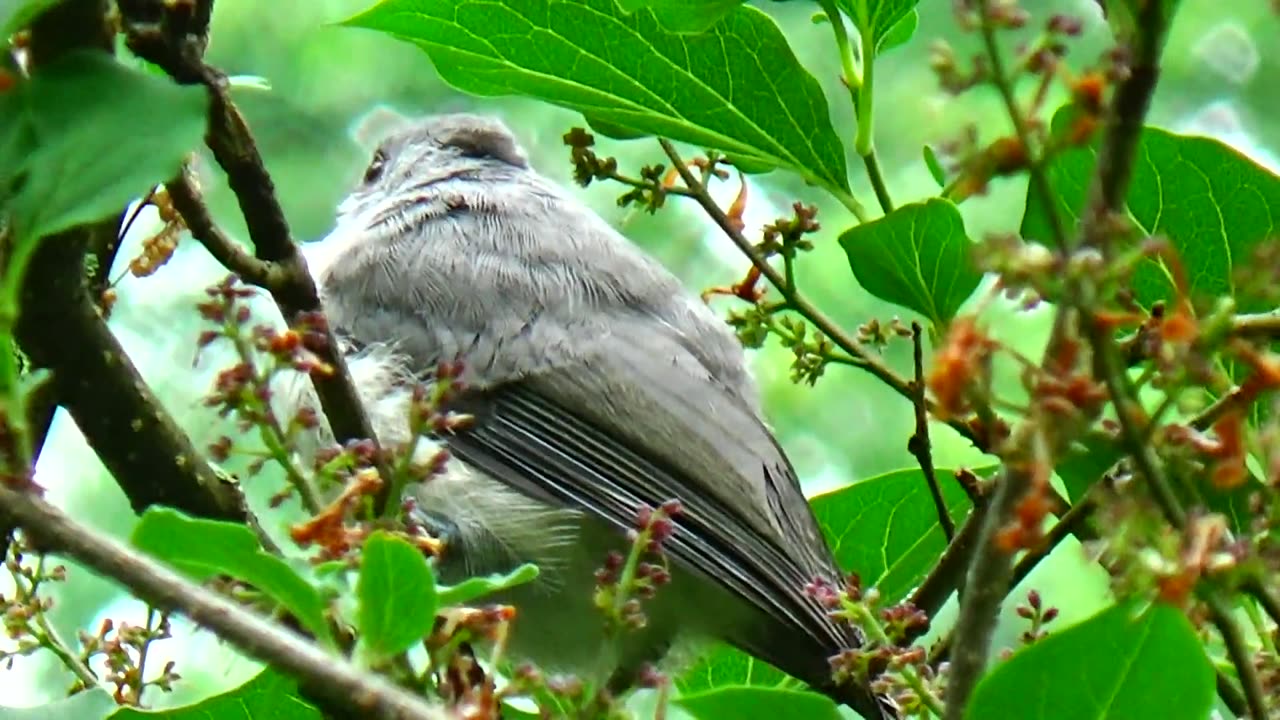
{"x": 60, "y": 328}
{"x": 328, "y": 676}
{"x": 175, "y": 40}
{"x": 919, "y": 445}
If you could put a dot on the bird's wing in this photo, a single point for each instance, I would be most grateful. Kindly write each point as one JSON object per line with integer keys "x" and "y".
{"x": 637, "y": 421}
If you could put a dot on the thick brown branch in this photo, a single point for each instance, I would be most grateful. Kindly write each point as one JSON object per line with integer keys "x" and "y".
{"x": 60, "y": 328}
{"x": 330, "y": 677}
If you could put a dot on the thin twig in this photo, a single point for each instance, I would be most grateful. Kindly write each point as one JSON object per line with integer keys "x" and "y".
{"x": 331, "y": 677}
{"x": 187, "y": 201}
{"x": 1004, "y": 85}
{"x": 177, "y": 45}
{"x": 1262, "y": 325}
{"x": 1073, "y": 522}
{"x": 794, "y": 300}
{"x": 1241, "y": 656}
{"x": 919, "y": 444}
{"x": 947, "y": 575}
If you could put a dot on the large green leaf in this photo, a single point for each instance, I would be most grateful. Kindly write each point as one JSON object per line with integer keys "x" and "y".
{"x": 878, "y": 17}
{"x": 85, "y": 135}
{"x": 16, "y": 14}
{"x": 724, "y": 666}
{"x": 691, "y": 16}
{"x": 886, "y": 528}
{"x": 737, "y": 87}
{"x": 477, "y": 587}
{"x": 202, "y": 549}
{"x": 92, "y": 704}
{"x": 758, "y": 702}
{"x": 397, "y": 593}
{"x": 1116, "y": 665}
{"x": 917, "y": 256}
{"x": 1212, "y": 203}
{"x": 267, "y": 695}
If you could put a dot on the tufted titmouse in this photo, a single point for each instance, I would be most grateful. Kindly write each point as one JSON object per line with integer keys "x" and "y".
{"x": 598, "y": 385}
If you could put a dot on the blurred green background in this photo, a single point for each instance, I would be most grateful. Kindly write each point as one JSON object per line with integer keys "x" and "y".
{"x": 321, "y": 79}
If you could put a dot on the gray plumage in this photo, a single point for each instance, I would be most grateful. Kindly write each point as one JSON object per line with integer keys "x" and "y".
{"x": 598, "y": 384}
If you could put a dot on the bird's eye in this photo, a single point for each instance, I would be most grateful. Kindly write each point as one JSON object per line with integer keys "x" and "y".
{"x": 374, "y": 171}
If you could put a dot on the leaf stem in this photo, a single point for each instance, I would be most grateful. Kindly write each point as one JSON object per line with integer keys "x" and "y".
{"x": 860, "y": 86}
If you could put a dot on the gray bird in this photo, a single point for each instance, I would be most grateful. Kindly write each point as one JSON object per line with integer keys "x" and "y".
{"x": 598, "y": 385}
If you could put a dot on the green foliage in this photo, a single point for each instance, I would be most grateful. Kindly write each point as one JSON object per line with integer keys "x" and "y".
{"x": 1125, "y": 662}
{"x": 885, "y": 528}
{"x": 93, "y": 704}
{"x": 878, "y": 19}
{"x": 477, "y": 587}
{"x": 691, "y": 16}
{"x": 1213, "y": 204}
{"x": 202, "y": 549}
{"x": 17, "y": 14}
{"x": 757, "y": 702}
{"x": 917, "y": 256}
{"x": 726, "y": 667}
{"x": 715, "y": 89}
{"x": 85, "y": 135}
{"x": 397, "y": 594}
{"x": 267, "y": 695}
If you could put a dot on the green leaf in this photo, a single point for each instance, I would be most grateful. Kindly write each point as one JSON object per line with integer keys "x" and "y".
{"x": 85, "y": 135}
{"x": 936, "y": 171}
{"x": 1116, "y": 665}
{"x": 886, "y": 529}
{"x": 758, "y": 702}
{"x": 1084, "y": 464}
{"x": 268, "y": 695}
{"x": 397, "y": 594}
{"x": 689, "y": 16}
{"x": 878, "y": 18}
{"x": 202, "y": 549}
{"x": 16, "y": 15}
{"x": 917, "y": 256}
{"x": 725, "y": 666}
{"x": 737, "y": 87}
{"x": 900, "y": 33}
{"x": 1213, "y": 204}
{"x": 91, "y": 704}
{"x": 478, "y": 587}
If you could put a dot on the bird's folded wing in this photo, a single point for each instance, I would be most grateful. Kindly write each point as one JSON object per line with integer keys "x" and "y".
{"x": 637, "y": 422}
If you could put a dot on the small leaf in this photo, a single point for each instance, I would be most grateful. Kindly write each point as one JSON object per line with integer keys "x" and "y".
{"x": 92, "y": 704}
{"x": 901, "y": 32}
{"x": 85, "y": 135}
{"x": 737, "y": 87}
{"x": 725, "y": 666}
{"x": 758, "y": 702}
{"x": 268, "y": 695}
{"x": 931, "y": 161}
{"x": 202, "y": 549}
{"x": 478, "y": 587}
{"x": 917, "y": 256}
{"x": 1115, "y": 666}
{"x": 886, "y": 529}
{"x": 16, "y": 15}
{"x": 687, "y": 16}
{"x": 397, "y": 594}
{"x": 1212, "y": 203}
{"x": 877, "y": 17}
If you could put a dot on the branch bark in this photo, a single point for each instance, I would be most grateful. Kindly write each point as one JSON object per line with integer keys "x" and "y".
{"x": 174, "y": 36}
{"x": 322, "y": 675}
{"x": 60, "y": 328}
